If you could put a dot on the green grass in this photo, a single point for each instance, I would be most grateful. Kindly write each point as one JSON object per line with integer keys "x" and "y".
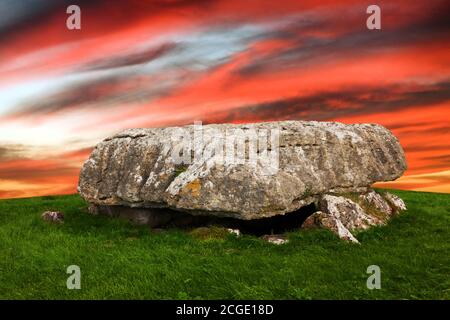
{"x": 118, "y": 260}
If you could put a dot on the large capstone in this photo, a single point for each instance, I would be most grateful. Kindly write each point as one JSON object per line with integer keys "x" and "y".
{"x": 243, "y": 171}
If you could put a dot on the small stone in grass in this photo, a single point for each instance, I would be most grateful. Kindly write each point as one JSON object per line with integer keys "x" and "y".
{"x": 53, "y": 216}
{"x": 275, "y": 239}
{"x": 236, "y": 232}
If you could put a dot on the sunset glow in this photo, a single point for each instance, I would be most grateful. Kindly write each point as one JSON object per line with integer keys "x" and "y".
{"x": 156, "y": 63}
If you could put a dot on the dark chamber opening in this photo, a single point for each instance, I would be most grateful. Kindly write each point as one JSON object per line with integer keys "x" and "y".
{"x": 164, "y": 218}
{"x": 273, "y": 225}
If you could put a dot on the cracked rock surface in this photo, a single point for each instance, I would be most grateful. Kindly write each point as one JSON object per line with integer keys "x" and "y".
{"x": 342, "y": 215}
{"x": 136, "y": 168}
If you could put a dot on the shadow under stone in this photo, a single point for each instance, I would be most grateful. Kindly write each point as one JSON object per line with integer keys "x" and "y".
{"x": 167, "y": 218}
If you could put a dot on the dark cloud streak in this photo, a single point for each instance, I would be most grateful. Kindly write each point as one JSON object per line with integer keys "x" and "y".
{"x": 352, "y": 102}
{"x": 130, "y": 59}
{"x": 306, "y": 49}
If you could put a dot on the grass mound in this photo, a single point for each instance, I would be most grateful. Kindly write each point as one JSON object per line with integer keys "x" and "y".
{"x": 119, "y": 260}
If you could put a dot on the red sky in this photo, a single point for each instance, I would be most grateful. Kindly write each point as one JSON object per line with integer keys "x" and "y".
{"x": 155, "y": 63}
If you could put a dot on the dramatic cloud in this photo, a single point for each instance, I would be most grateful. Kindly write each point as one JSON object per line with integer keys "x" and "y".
{"x": 351, "y": 102}
{"x": 170, "y": 62}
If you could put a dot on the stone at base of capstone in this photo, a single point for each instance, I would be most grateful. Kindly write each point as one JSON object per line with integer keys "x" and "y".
{"x": 348, "y": 212}
{"x": 374, "y": 199}
{"x": 342, "y": 215}
{"x": 323, "y": 220}
{"x": 396, "y": 202}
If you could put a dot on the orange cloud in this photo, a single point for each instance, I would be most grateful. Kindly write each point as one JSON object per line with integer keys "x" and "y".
{"x": 157, "y": 63}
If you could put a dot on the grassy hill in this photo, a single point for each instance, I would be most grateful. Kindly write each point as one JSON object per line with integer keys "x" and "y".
{"x": 118, "y": 260}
